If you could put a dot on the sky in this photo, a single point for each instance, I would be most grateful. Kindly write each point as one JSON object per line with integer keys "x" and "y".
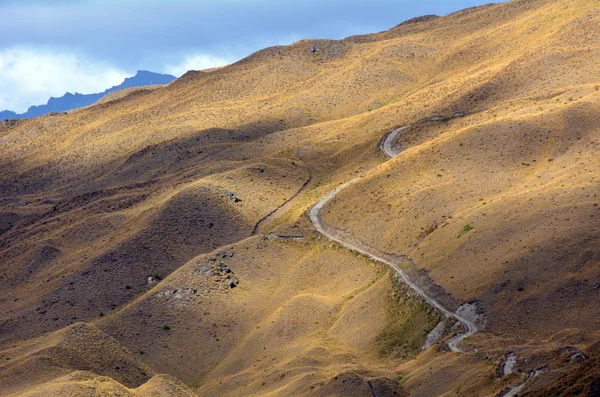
{"x": 51, "y": 47}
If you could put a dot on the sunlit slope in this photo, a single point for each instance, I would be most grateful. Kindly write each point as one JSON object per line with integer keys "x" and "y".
{"x": 82, "y": 383}
{"x": 292, "y": 323}
{"x": 284, "y": 87}
{"x": 501, "y": 206}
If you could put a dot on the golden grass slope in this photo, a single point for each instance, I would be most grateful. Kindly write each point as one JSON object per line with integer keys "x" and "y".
{"x": 112, "y": 208}
{"x": 81, "y": 383}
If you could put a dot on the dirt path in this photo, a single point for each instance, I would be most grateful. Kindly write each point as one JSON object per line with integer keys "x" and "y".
{"x": 315, "y": 217}
{"x": 517, "y": 388}
{"x": 281, "y": 208}
{"x": 387, "y": 145}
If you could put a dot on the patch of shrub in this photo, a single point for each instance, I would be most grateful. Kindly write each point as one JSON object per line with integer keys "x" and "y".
{"x": 465, "y": 230}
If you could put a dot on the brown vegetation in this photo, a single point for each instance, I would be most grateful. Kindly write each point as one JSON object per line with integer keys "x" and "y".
{"x": 123, "y": 224}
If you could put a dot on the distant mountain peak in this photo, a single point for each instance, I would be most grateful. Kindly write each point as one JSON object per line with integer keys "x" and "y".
{"x": 76, "y": 100}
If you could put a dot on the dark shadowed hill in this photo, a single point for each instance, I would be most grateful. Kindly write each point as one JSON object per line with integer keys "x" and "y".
{"x": 72, "y": 101}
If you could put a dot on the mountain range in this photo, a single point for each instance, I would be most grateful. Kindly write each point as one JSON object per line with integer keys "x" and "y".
{"x": 72, "y": 101}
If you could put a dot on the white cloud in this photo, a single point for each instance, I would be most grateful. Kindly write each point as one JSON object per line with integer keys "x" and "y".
{"x": 197, "y": 62}
{"x": 30, "y": 76}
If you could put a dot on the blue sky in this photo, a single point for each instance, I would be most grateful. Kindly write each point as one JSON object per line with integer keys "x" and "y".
{"x": 50, "y": 47}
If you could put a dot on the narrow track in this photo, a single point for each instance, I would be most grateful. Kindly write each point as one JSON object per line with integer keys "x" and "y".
{"x": 514, "y": 391}
{"x": 387, "y": 146}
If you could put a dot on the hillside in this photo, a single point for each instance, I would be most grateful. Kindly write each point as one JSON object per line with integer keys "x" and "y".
{"x": 159, "y": 243}
{"x": 73, "y": 101}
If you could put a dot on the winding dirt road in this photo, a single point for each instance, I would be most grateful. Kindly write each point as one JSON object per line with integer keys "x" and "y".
{"x": 387, "y": 146}
{"x": 513, "y": 392}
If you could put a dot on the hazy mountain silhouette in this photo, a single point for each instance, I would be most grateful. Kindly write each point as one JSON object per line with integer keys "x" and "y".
{"x": 72, "y": 101}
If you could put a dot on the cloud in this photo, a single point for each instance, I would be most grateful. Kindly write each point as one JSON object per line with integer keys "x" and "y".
{"x": 197, "y": 62}
{"x": 30, "y": 76}
{"x": 142, "y": 34}
{"x": 43, "y": 42}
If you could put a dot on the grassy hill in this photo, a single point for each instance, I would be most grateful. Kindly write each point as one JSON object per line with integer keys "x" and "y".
{"x": 157, "y": 242}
